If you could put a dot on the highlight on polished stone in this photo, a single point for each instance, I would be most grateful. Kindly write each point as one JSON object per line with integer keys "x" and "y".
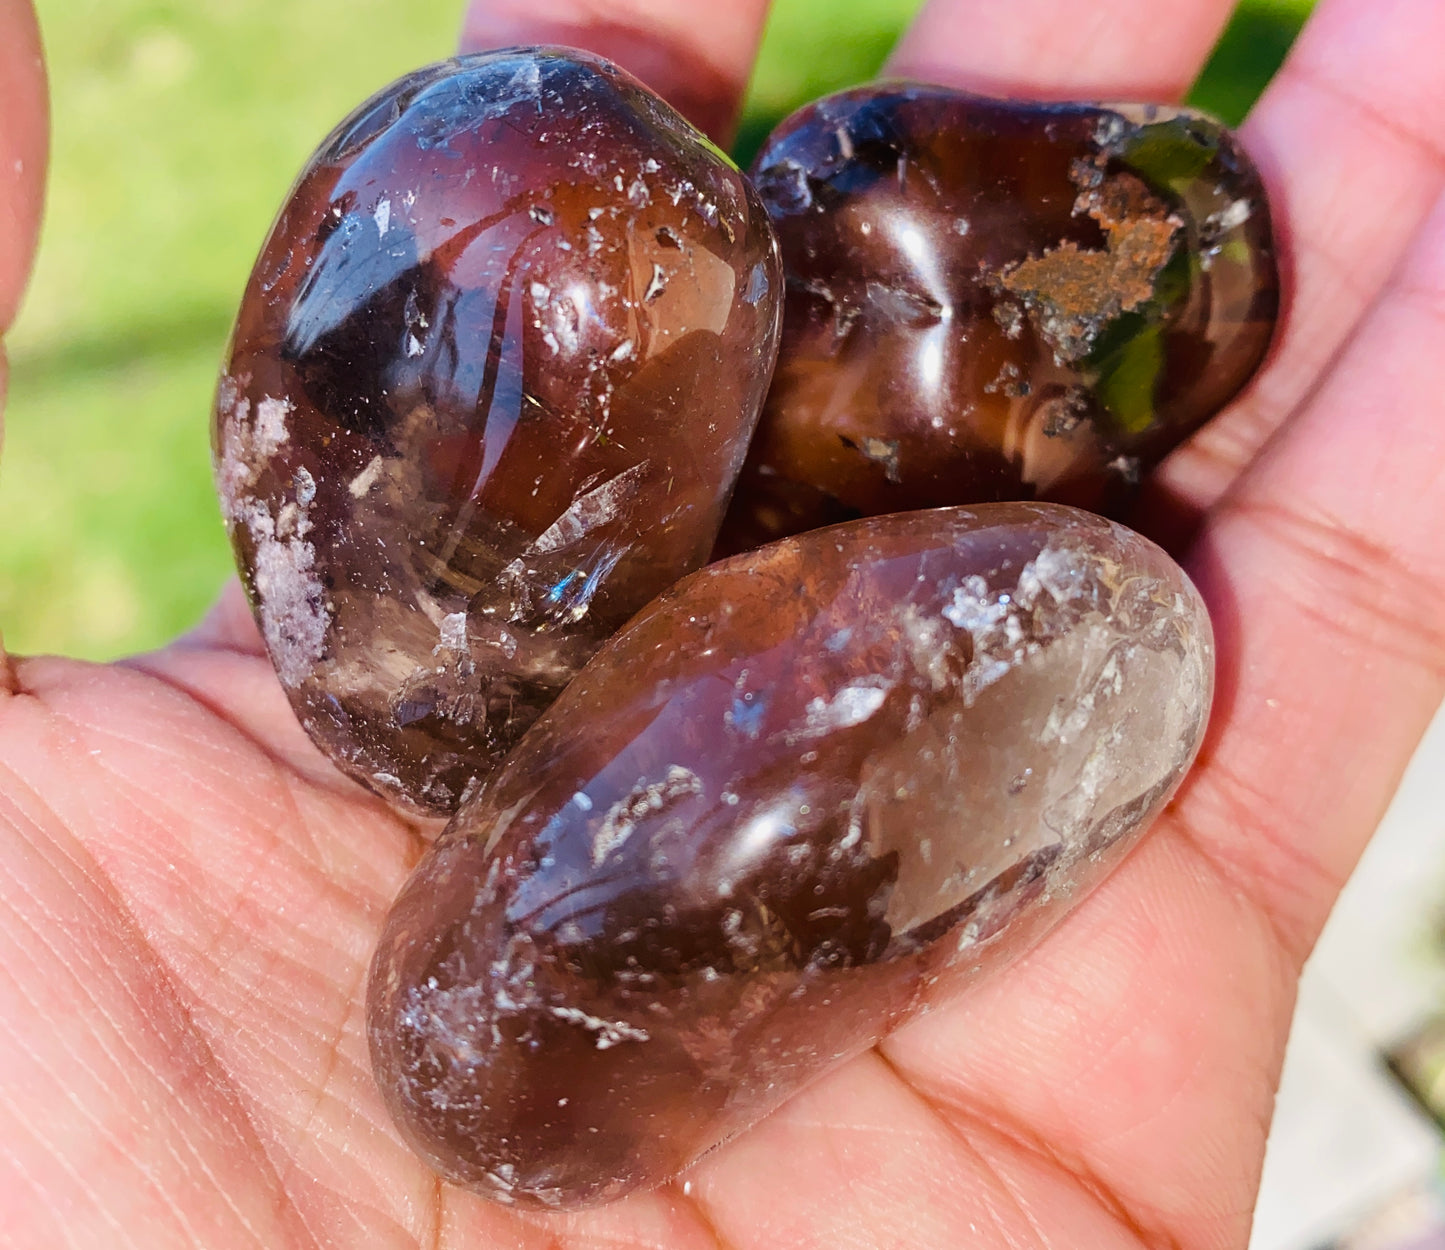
{"x": 488, "y": 392}
{"x": 806, "y": 792}
{"x": 998, "y": 300}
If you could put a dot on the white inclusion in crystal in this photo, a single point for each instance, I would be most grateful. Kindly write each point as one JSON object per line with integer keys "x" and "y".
{"x": 644, "y": 800}
{"x": 994, "y": 622}
{"x": 271, "y": 415}
{"x": 1058, "y": 572}
{"x": 974, "y": 607}
{"x": 305, "y": 486}
{"x": 597, "y": 507}
{"x": 366, "y": 479}
{"x": 850, "y": 706}
{"x": 1004, "y": 626}
{"x": 454, "y": 631}
{"x": 289, "y": 595}
{"x": 1230, "y": 218}
{"x": 609, "y": 1032}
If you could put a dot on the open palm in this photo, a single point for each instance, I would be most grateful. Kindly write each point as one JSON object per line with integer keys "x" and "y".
{"x": 189, "y": 894}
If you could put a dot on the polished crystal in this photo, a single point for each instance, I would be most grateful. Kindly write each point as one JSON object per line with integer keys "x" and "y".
{"x": 993, "y": 300}
{"x": 487, "y": 395}
{"x": 805, "y": 793}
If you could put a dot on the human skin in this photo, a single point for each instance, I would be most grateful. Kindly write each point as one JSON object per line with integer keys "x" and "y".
{"x": 189, "y": 893}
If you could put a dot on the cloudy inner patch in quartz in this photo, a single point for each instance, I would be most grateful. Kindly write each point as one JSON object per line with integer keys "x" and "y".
{"x": 289, "y": 597}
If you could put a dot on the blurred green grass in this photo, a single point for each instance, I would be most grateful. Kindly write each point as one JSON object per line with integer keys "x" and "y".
{"x": 177, "y": 129}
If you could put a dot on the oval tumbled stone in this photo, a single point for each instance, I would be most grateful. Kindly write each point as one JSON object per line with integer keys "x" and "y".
{"x": 993, "y": 300}
{"x": 487, "y": 395}
{"x": 804, "y": 792}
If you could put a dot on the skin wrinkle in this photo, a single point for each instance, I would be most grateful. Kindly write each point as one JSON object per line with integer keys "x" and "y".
{"x": 421, "y": 831}
{"x": 356, "y": 988}
{"x": 96, "y": 1203}
{"x": 1336, "y": 565}
{"x": 1313, "y": 91}
{"x": 959, "y": 1107}
{"x": 219, "y": 1033}
{"x": 103, "y": 1135}
{"x": 287, "y": 771}
{"x": 961, "y": 1077}
{"x": 1236, "y": 805}
{"x": 1322, "y": 79}
{"x": 54, "y": 1234}
{"x": 232, "y": 924}
{"x": 1015, "y": 1137}
{"x": 97, "y": 877}
{"x": 435, "y": 1207}
{"x": 242, "y": 900}
{"x": 1002, "y": 1192}
{"x": 164, "y": 983}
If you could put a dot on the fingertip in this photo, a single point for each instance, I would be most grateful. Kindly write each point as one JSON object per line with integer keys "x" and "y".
{"x": 24, "y": 148}
{"x": 1059, "y": 50}
{"x": 697, "y": 60}
{"x": 228, "y": 626}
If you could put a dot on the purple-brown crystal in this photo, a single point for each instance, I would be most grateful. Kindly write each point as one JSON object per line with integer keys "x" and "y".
{"x": 993, "y": 300}
{"x": 488, "y": 391}
{"x": 805, "y": 792}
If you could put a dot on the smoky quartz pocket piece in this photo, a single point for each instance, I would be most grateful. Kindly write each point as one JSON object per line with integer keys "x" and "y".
{"x": 804, "y": 793}
{"x": 992, "y": 300}
{"x": 487, "y": 394}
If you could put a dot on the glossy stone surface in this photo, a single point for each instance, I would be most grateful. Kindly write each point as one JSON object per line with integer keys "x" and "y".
{"x": 805, "y": 792}
{"x": 488, "y": 391}
{"x": 991, "y": 300}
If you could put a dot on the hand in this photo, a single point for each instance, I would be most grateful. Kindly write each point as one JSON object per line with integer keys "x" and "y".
{"x": 189, "y": 894}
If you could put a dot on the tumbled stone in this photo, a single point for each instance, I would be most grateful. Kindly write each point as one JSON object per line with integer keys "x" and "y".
{"x": 805, "y": 792}
{"x": 998, "y": 300}
{"x": 488, "y": 392}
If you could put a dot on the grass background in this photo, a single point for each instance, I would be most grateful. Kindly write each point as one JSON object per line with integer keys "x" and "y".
{"x": 177, "y": 129}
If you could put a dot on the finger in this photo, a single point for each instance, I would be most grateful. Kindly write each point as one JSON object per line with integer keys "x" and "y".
{"x": 1326, "y": 575}
{"x": 24, "y": 134}
{"x": 697, "y": 57}
{"x": 1139, "y": 1045}
{"x": 228, "y": 626}
{"x": 1347, "y": 141}
{"x": 859, "y": 1159}
{"x": 23, "y": 142}
{"x": 1137, "y": 1049}
{"x": 1060, "y": 49}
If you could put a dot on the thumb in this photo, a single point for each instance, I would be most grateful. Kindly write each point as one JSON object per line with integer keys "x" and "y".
{"x": 24, "y": 128}
{"x": 24, "y": 143}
